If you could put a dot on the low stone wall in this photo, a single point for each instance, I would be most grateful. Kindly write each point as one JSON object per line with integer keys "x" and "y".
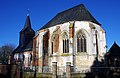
{"x": 82, "y": 75}
{"x": 28, "y": 75}
{"x": 78, "y": 75}
{"x": 38, "y": 75}
{"x": 15, "y": 71}
{"x": 50, "y": 75}
{"x": 44, "y": 75}
{"x": 9, "y": 71}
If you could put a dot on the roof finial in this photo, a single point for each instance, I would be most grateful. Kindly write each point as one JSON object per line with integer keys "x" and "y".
{"x": 28, "y": 12}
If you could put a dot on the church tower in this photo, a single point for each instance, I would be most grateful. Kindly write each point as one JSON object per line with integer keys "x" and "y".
{"x": 25, "y": 48}
{"x": 26, "y": 34}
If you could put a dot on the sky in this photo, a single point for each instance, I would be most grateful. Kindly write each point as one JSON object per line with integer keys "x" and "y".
{"x": 13, "y": 15}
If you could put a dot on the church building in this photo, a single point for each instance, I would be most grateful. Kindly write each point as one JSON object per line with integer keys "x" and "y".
{"x": 73, "y": 36}
{"x": 23, "y": 53}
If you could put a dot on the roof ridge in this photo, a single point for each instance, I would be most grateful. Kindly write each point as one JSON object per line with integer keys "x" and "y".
{"x": 82, "y": 5}
{"x": 76, "y": 13}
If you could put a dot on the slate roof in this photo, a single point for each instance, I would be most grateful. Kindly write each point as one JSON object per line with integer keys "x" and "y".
{"x": 27, "y": 26}
{"x": 114, "y": 50}
{"x": 77, "y": 13}
{"x": 27, "y": 47}
{"x": 26, "y": 41}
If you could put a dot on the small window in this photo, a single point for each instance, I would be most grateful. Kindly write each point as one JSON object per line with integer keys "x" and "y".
{"x": 52, "y": 47}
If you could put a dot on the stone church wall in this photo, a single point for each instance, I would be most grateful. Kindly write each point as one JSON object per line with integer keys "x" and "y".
{"x": 72, "y": 28}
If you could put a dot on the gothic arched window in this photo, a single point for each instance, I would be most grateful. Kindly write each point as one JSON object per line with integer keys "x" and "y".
{"x": 81, "y": 42}
{"x": 65, "y": 43}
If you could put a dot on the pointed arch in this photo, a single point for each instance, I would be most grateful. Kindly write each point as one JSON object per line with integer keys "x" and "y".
{"x": 65, "y": 43}
{"x": 81, "y": 41}
{"x": 55, "y": 42}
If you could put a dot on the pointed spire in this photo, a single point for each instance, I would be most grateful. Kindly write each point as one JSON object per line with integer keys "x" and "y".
{"x": 27, "y": 23}
{"x": 27, "y": 33}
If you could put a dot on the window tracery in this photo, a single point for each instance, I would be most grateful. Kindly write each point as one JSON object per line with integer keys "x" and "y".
{"x": 65, "y": 43}
{"x": 81, "y": 42}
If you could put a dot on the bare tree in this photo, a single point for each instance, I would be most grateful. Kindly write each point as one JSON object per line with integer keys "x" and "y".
{"x": 5, "y": 51}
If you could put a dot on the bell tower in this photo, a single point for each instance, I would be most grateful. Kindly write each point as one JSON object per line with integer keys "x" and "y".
{"x": 27, "y": 33}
